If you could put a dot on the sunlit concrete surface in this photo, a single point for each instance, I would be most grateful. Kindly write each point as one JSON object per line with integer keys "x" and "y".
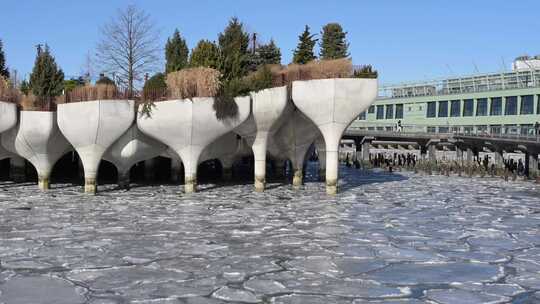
{"x": 92, "y": 127}
{"x": 385, "y": 238}
{"x": 8, "y": 116}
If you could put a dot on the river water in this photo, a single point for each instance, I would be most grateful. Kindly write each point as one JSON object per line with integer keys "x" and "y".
{"x": 387, "y": 238}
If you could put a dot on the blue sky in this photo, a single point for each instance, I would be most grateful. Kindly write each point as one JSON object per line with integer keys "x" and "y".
{"x": 405, "y": 40}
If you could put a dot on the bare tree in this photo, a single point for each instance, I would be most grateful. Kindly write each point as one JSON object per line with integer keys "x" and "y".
{"x": 129, "y": 47}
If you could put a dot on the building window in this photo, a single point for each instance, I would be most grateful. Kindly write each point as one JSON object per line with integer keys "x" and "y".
{"x": 496, "y": 129}
{"x": 527, "y": 105}
{"x": 496, "y": 106}
{"x": 468, "y": 107}
{"x": 455, "y": 108}
{"x": 481, "y": 107}
{"x": 362, "y": 116}
{"x": 431, "y": 109}
{"x": 380, "y": 112}
{"x": 399, "y": 111}
{"x": 389, "y": 111}
{"x": 443, "y": 129}
{"x": 511, "y": 105}
{"x": 371, "y": 110}
{"x": 443, "y": 109}
{"x": 431, "y": 129}
{"x": 468, "y": 129}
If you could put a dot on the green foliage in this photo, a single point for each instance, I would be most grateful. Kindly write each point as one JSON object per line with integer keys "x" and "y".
{"x": 105, "y": 80}
{"x": 47, "y": 79}
{"x": 260, "y": 80}
{"x": 365, "y": 71}
{"x": 304, "y": 51}
{"x": 73, "y": 83}
{"x": 3, "y": 68}
{"x": 24, "y": 87}
{"x": 156, "y": 82}
{"x": 334, "y": 43}
{"x": 264, "y": 54}
{"x": 233, "y": 45}
{"x": 176, "y": 53}
{"x": 155, "y": 88}
{"x": 205, "y": 54}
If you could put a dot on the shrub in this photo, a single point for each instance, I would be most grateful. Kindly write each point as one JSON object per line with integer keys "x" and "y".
{"x": 365, "y": 71}
{"x": 193, "y": 82}
{"x": 7, "y": 92}
{"x": 89, "y": 92}
{"x": 319, "y": 69}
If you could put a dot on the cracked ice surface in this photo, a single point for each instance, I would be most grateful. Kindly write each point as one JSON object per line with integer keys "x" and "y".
{"x": 387, "y": 238}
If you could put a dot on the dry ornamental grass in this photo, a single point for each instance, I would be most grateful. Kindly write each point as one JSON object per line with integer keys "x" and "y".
{"x": 7, "y": 92}
{"x": 194, "y": 82}
{"x": 90, "y": 92}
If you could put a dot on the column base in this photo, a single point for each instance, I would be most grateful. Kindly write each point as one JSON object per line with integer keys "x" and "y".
{"x": 297, "y": 178}
{"x": 331, "y": 187}
{"x": 191, "y": 185}
{"x": 90, "y": 186}
{"x": 43, "y": 183}
{"x": 260, "y": 183}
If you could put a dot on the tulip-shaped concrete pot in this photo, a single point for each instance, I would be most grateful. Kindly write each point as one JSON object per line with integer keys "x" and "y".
{"x": 132, "y": 147}
{"x": 92, "y": 127}
{"x": 332, "y": 104}
{"x": 8, "y": 116}
{"x": 268, "y": 107}
{"x": 294, "y": 138}
{"x": 188, "y": 126}
{"x": 37, "y": 139}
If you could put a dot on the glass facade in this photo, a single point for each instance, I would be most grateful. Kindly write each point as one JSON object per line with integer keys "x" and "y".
{"x": 431, "y": 109}
{"x": 496, "y": 106}
{"x": 527, "y": 104}
{"x": 399, "y": 111}
{"x": 481, "y": 107}
{"x": 389, "y": 111}
{"x": 362, "y": 116}
{"x": 455, "y": 108}
{"x": 380, "y": 112}
{"x": 511, "y": 105}
{"x": 468, "y": 107}
{"x": 443, "y": 109}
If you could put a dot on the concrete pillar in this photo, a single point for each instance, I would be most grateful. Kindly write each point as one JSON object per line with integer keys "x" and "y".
{"x": 533, "y": 164}
{"x": 259, "y": 154}
{"x": 176, "y": 169}
{"x": 498, "y": 158}
{"x": 17, "y": 169}
{"x": 470, "y": 155}
{"x": 459, "y": 155}
{"x": 150, "y": 169}
{"x": 124, "y": 179}
{"x": 432, "y": 153}
{"x": 365, "y": 150}
{"x": 298, "y": 177}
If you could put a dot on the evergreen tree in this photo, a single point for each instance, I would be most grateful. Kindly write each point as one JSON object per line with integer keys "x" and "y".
{"x": 24, "y": 87}
{"x": 270, "y": 53}
{"x": 3, "y": 68}
{"x": 233, "y": 45}
{"x": 205, "y": 54}
{"x": 72, "y": 83}
{"x": 176, "y": 53}
{"x": 156, "y": 82}
{"x": 334, "y": 43}
{"x": 304, "y": 51}
{"x": 47, "y": 79}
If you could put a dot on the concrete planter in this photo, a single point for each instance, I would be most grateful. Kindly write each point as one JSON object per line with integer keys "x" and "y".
{"x": 92, "y": 127}
{"x": 188, "y": 126}
{"x": 294, "y": 138}
{"x": 132, "y": 147}
{"x": 268, "y": 107}
{"x": 8, "y": 116}
{"x": 37, "y": 139}
{"x": 332, "y": 104}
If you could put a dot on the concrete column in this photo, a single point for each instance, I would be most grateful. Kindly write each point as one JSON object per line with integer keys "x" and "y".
{"x": 498, "y": 158}
{"x": 432, "y": 153}
{"x": 176, "y": 169}
{"x": 365, "y": 150}
{"x": 459, "y": 155}
{"x": 470, "y": 155}
{"x": 533, "y": 164}
{"x": 17, "y": 169}
{"x": 259, "y": 153}
{"x": 298, "y": 177}
{"x": 150, "y": 169}
{"x": 123, "y": 179}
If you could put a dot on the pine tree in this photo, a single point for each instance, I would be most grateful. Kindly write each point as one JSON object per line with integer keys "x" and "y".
{"x": 304, "y": 51}
{"x": 334, "y": 43}
{"x": 3, "y": 68}
{"x": 205, "y": 54}
{"x": 24, "y": 87}
{"x": 270, "y": 53}
{"x": 233, "y": 45}
{"x": 47, "y": 79}
{"x": 176, "y": 53}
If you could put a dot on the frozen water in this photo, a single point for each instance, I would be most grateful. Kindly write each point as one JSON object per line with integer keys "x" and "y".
{"x": 386, "y": 238}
